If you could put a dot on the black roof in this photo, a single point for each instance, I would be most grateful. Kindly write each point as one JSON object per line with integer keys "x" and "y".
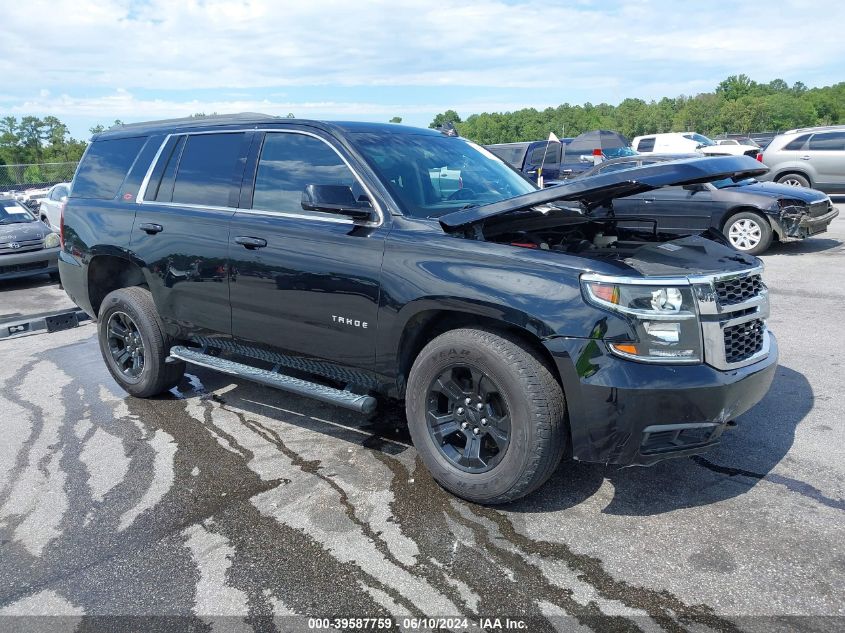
{"x": 253, "y": 119}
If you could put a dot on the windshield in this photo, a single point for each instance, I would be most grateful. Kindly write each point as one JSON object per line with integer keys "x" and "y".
{"x": 618, "y": 152}
{"x": 431, "y": 175}
{"x": 700, "y": 139}
{"x": 730, "y": 182}
{"x": 13, "y": 213}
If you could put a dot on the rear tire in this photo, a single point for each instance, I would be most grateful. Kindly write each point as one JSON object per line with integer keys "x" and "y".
{"x": 511, "y": 434}
{"x": 749, "y": 232}
{"x": 134, "y": 344}
{"x": 794, "y": 180}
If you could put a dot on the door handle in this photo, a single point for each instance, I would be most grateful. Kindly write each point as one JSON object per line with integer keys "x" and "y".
{"x": 251, "y": 243}
{"x": 647, "y": 201}
{"x": 805, "y": 157}
{"x": 150, "y": 228}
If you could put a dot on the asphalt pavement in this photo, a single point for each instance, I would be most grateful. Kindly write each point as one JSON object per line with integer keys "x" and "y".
{"x": 229, "y": 506}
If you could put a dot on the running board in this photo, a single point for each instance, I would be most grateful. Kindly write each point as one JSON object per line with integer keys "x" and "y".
{"x": 346, "y": 399}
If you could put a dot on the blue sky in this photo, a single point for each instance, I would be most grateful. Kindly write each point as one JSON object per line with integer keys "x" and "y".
{"x": 92, "y": 61}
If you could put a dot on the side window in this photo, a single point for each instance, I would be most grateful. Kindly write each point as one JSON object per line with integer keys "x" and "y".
{"x": 164, "y": 193}
{"x": 828, "y": 141}
{"x": 646, "y": 144}
{"x": 552, "y": 154}
{"x": 289, "y": 162}
{"x": 105, "y": 166}
{"x": 797, "y": 143}
{"x": 207, "y": 168}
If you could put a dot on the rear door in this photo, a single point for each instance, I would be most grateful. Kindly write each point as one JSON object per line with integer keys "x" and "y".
{"x": 304, "y": 282}
{"x": 181, "y": 228}
{"x": 826, "y": 152}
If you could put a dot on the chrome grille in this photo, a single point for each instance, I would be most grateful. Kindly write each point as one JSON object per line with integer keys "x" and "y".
{"x": 733, "y": 309}
{"x": 24, "y": 246}
{"x": 744, "y": 340}
{"x": 738, "y": 290}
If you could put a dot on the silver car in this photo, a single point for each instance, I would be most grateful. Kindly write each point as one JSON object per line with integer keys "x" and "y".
{"x": 808, "y": 157}
{"x": 51, "y": 204}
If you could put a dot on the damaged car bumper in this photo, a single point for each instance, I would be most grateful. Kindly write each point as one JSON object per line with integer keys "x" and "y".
{"x": 799, "y": 222}
{"x": 631, "y": 413}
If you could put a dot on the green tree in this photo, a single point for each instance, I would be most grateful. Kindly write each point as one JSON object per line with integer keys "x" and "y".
{"x": 450, "y": 116}
{"x": 396, "y": 119}
{"x": 735, "y": 86}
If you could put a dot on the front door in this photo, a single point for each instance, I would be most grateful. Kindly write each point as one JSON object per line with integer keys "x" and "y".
{"x": 678, "y": 209}
{"x": 304, "y": 282}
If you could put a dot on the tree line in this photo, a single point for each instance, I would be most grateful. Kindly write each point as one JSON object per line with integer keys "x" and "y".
{"x": 737, "y": 105}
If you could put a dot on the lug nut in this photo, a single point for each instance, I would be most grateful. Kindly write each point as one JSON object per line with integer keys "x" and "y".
{"x": 475, "y": 431}
{"x": 460, "y": 410}
{"x": 467, "y": 401}
{"x": 479, "y": 406}
{"x": 483, "y": 421}
{"x": 464, "y": 425}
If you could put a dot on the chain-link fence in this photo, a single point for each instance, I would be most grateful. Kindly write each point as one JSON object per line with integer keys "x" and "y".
{"x": 35, "y": 175}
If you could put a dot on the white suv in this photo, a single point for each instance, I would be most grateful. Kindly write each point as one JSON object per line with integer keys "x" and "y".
{"x": 808, "y": 157}
{"x": 688, "y": 142}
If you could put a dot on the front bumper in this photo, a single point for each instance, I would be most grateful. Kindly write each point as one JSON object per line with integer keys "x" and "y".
{"x": 38, "y": 262}
{"x": 627, "y": 412}
{"x": 802, "y": 226}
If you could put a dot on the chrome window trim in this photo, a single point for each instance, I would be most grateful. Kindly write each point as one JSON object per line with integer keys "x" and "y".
{"x": 264, "y": 212}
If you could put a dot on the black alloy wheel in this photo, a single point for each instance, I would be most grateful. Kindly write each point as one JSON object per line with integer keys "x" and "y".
{"x": 468, "y": 418}
{"x": 125, "y": 345}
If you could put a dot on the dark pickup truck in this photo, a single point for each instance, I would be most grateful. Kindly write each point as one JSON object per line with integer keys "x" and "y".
{"x": 516, "y": 324}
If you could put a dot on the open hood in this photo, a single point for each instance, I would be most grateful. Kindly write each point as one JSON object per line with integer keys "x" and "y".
{"x": 597, "y": 191}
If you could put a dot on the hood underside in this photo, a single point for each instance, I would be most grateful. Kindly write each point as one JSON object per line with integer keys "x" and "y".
{"x": 599, "y": 190}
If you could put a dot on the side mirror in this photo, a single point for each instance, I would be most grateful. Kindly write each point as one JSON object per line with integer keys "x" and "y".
{"x": 63, "y": 199}
{"x": 695, "y": 187}
{"x": 335, "y": 199}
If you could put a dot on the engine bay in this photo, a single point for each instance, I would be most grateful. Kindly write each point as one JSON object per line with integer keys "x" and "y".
{"x": 575, "y": 234}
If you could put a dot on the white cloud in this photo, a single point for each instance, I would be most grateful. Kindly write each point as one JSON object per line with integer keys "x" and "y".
{"x": 108, "y": 56}
{"x": 166, "y": 45}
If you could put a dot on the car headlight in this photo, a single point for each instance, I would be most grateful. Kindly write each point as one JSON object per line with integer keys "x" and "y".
{"x": 51, "y": 241}
{"x": 663, "y": 317}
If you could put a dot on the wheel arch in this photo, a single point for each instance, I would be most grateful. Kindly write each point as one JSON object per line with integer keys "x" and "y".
{"x": 427, "y": 324}
{"x": 108, "y": 272}
{"x": 797, "y": 171}
{"x": 777, "y": 231}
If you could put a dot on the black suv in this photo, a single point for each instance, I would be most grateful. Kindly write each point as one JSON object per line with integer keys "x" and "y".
{"x": 321, "y": 258}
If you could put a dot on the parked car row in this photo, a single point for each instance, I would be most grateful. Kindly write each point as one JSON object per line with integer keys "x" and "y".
{"x": 28, "y": 246}
{"x": 686, "y": 142}
{"x": 749, "y": 213}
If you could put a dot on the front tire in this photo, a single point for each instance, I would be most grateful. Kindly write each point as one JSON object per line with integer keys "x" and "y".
{"x": 486, "y": 415}
{"x": 749, "y": 232}
{"x": 134, "y": 344}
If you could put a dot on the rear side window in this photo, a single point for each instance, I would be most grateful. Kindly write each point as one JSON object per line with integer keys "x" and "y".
{"x": 206, "y": 170}
{"x": 289, "y": 163}
{"x": 550, "y": 151}
{"x": 828, "y": 141}
{"x": 104, "y": 167}
{"x": 646, "y": 144}
{"x": 796, "y": 143}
